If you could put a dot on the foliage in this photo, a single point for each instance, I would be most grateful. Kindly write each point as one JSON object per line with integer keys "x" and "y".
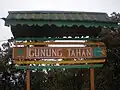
{"x": 10, "y": 78}
{"x": 115, "y": 16}
{"x": 109, "y": 79}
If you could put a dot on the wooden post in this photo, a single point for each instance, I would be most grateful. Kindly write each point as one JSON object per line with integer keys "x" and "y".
{"x": 92, "y": 83}
{"x": 28, "y": 79}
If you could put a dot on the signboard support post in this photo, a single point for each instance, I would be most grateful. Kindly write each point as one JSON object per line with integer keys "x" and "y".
{"x": 92, "y": 83}
{"x": 27, "y": 78}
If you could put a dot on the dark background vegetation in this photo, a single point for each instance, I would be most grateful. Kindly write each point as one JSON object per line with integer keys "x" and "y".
{"x": 106, "y": 78}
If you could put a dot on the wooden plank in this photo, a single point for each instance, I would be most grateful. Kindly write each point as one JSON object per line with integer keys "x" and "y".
{"x": 92, "y": 86}
{"x": 46, "y": 39}
{"x": 59, "y": 67}
{"x": 60, "y": 43}
{"x": 59, "y": 62}
{"x": 27, "y": 78}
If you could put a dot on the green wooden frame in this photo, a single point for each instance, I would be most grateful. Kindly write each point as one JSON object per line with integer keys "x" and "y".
{"x": 87, "y": 66}
{"x": 60, "y": 23}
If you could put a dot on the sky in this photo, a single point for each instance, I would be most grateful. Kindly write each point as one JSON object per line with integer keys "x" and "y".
{"x": 107, "y": 6}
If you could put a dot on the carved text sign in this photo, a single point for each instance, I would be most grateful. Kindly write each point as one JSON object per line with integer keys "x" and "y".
{"x": 58, "y": 52}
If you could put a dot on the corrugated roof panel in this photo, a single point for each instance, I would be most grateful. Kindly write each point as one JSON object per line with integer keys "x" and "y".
{"x": 39, "y": 16}
{"x": 103, "y": 17}
{"x": 68, "y": 17}
{"x": 74, "y": 17}
{"x": 61, "y": 16}
{"x": 17, "y": 16}
{"x": 87, "y": 16}
{"x": 33, "y": 16}
{"x": 84, "y": 16}
{"x": 45, "y": 16}
{"x": 53, "y": 17}
{"x": 56, "y": 16}
{"x": 79, "y": 16}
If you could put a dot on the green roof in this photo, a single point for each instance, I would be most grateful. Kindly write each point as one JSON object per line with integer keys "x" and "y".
{"x": 59, "y": 18}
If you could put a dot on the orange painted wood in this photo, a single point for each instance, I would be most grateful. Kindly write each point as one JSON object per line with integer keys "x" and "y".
{"x": 92, "y": 83}
{"x": 28, "y": 79}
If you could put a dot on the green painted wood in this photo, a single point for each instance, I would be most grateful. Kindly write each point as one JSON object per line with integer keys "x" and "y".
{"x": 20, "y": 52}
{"x": 45, "y": 39}
{"x": 97, "y": 51}
{"x": 59, "y": 67}
{"x": 60, "y": 23}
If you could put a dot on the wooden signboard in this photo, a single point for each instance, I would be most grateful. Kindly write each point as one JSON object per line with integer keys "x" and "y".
{"x": 58, "y": 52}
